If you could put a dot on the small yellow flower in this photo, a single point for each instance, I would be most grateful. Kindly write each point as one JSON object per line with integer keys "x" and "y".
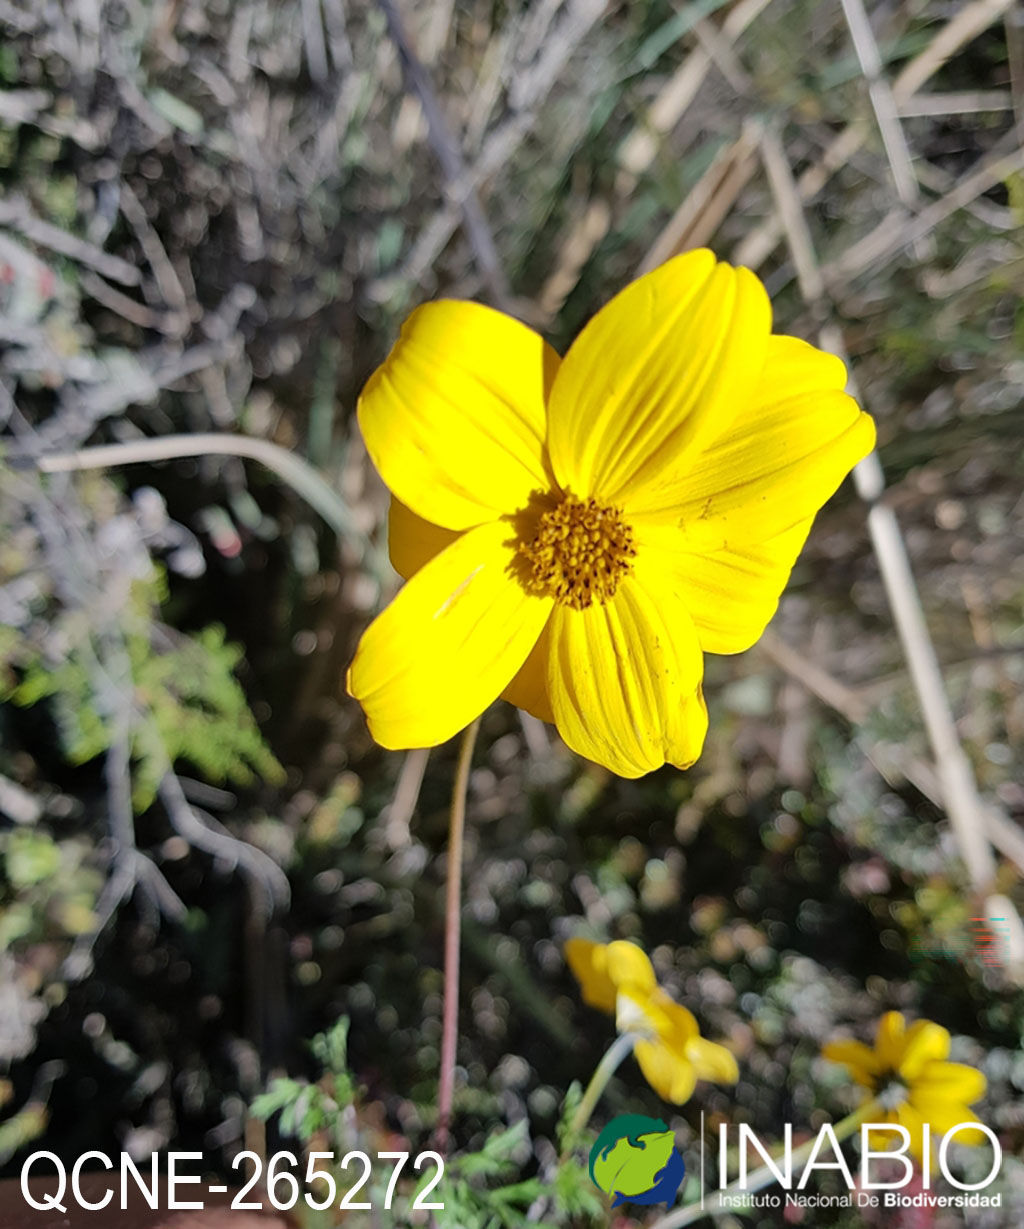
{"x": 907, "y": 1071}
{"x": 618, "y": 978}
{"x": 577, "y": 532}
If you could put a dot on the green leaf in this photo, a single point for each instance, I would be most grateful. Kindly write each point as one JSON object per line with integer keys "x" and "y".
{"x": 282, "y": 1092}
{"x": 31, "y": 858}
{"x": 631, "y": 1169}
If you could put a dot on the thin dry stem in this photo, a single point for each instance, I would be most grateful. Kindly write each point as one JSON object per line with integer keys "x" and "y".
{"x": 16, "y": 213}
{"x": 291, "y": 468}
{"x": 166, "y": 275}
{"x": 593, "y": 224}
{"x": 407, "y": 794}
{"x": 453, "y": 935}
{"x": 819, "y": 682}
{"x": 886, "y": 115}
{"x": 968, "y": 23}
{"x": 894, "y": 233}
{"x": 965, "y": 26}
{"x": 956, "y": 102}
{"x": 640, "y": 148}
{"x": 459, "y": 186}
{"x": 710, "y": 200}
{"x": 501, "y": 143}
{"x": 959, "y": 790}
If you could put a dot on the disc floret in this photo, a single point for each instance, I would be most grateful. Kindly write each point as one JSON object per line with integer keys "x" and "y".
{"x": 579, "y": 552}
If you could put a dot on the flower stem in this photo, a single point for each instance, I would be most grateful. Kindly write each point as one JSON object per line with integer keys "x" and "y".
{"x": 603, "y": 1072}
{"x": 762, "y": 1177}
{"x": 290, "y": 467}
{"x": 453, "y": 935}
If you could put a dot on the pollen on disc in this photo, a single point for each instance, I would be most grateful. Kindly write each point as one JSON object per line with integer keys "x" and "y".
{"x": 579, "y": 552}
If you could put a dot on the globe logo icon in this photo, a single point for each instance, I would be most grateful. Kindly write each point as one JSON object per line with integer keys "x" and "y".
{"x": 634, "y": 1160}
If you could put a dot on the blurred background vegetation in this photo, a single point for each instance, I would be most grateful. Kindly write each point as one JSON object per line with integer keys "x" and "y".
{"x": 214, "y": 217}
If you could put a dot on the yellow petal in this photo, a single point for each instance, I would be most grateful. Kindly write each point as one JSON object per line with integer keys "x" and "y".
{"x": 623, "y": 679}
{"x": 911, "y": 1118}
{"x": 943, "y": 1115}
{"x": 529, "y": 689}
{"x": 780, "y": 459}
{"x": 669, "y": 362}
{"x": 712, "y": 1061}
{"x": 680, "y": 1024}
{"x": 628, "y": 966}
{"x": 454, "y": 419}
{"x": 636, "y": 1012}
{"x": 412, "y": 541}
{"x": 448, "y": 644}
{"x": 681, "y": 1033}
{"x": 884, "y": 1141}
{"x": 731, "y": 594}
{"x": 860, "y": 1060}
{"x": 952, "y": 1081}
{"x": 889, "y": 1040}
{"x": 589, "y": 964}
{"x": 671, "y": 1077}
{"x": 923, "y": 1043}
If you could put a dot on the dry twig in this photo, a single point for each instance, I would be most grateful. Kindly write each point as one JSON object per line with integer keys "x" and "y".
{"x": 287, "y": 465}
{"x": 960, "y": 795}
{"x": 16, "y": 214}
{"x": 966, "y": 25}
{"x": 459, "y": 186}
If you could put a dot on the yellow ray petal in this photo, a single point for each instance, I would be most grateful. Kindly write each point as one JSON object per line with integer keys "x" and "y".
{"x": 884, "y": 1141}
{"x": 666, "y": 364}
{"x": 623, "y": 680}
{"x": 448, "y": 644}
{"x": 889, "y": 1040}
{"x": 943, "y": 1115}
{"x": 712, "y": 1061}
{"x": 731, "y": 594}
{"x": 412, "y": 541}
{"x": 454, "y": 419}
{"x": 953, "y": 1081}
{"x": 782, "y": 457}
{"x": 681, "y": 1024}
{"x": 671, "y": 1077}
{"x": 628, "y": 966}
{"x": 907, "y": 1116}
{"x": 589, "y": 964}
{"x": 529, "y": 689}
{"x": 860, "y": 1060}
{"x": 924, "y": 1043}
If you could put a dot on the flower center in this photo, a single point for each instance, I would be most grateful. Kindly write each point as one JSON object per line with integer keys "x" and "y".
{"x": 633, "y": 1015}
{"x": 579, "y": 552}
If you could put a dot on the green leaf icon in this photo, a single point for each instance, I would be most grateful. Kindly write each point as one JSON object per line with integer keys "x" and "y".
{"x": 631, "y": 1167}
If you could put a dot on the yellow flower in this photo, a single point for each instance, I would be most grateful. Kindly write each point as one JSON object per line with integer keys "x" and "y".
{"x": 907, "y": 1071}
{"x": 577, "y": 532}
{"x": 618, "y": 978}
